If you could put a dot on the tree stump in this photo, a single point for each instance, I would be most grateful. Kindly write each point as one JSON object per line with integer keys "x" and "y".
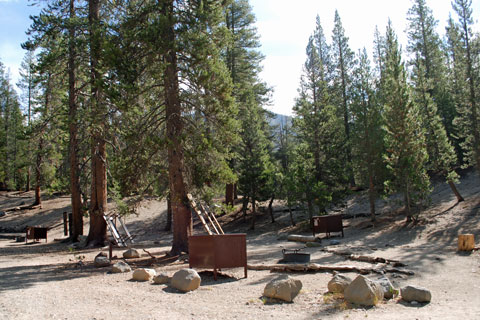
{"x": 466, "y": 242}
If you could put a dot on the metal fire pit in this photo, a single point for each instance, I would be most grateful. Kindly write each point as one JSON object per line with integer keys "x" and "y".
{"x": 295, "y": 256}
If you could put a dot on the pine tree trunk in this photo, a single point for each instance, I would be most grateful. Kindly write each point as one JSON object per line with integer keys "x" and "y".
{"x": 371, "y": 197}
{"x": 291, "y": 216}
{"x": 76, "y": 198}
{"x": 27, "y": 185}
{"x": 270, "y": 208}
{"x": 38, "y": 173}
{"x": 98, "y": 200}
{"x": 181, "y": 214}
{"x": 455, "y": 191}
{"x": 168, "y": 225}
{"x": 408, "y": 210}
{"x": 244, "y": 208}
{"x": 7, "y": 147}
{"x": 254, "y": 214}
{"x": 229, "y": 193}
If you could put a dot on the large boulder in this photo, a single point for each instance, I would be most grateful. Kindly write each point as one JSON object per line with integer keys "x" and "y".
{"x": 131, "y": 254}
{"x": 121, "y": 267}
{"x": 161, "y": 278}
{"x": 363, "y": 291}
{"x": 338, "y": 283}
{"x": 143, "y": 274}
{"x": 101, "y": 260}
{"x": 416, "y": 293}
{"x": 284, "y": 288}
{"x": 388, "y": 290}
{"x": 185, "y": 280}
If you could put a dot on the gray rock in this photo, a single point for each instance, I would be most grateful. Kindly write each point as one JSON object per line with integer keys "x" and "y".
{"x": 121, "y": 267}
{"x": 284, "y": 288}
{"x": 388, "y": 290}
{"x": 2, "y": 213}
{"x": 101, "y": 261}
{"x": 334, "y": 242}
{"x": 416, "y": 293}
{"x": 161, "y": 278}
{"x": 131, "y": 254}
{"x": 338, "y": 283}
{"x": 143, "y": 274}
{"x": 185, "y": 280}
{"x": 363, "y": 291}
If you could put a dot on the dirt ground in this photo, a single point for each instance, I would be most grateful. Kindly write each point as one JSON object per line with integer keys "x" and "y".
{"x": 47, "y": 280}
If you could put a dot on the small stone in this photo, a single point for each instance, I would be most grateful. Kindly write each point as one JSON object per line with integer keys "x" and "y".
{"x": 414, "y": 302}
{"x": 143, "y": 274}
{"x": 416, "y": 293}
{"x": 338, "y": 283}
{"x": 101, "y": 261}
{"x": 388, "y": 290}
{"x": 121, "y": 267}
{"x": 131, "y": 254}
{"x": 161, "y": 278}
{"x": 284, "y": 288}
{"x": 185, "y": 280}
{"x": 334, "y": 242}
{"x": 363, "y": 291}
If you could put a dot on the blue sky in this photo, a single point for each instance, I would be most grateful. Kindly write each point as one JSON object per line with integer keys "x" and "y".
{"x": 14, "y": 21}
{"x": 283, "y": 25}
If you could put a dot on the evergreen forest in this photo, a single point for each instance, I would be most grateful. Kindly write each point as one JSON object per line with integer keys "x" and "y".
{"x": 125, "y": 99}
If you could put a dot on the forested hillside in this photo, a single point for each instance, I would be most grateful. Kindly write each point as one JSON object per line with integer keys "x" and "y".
{"x": 132, "y": 98}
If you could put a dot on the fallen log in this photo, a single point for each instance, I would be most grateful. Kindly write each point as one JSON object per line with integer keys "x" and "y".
{"x": 24, "y": 207}
{"x": 301, "y": 238}
{"x": 355, "y": 257}
{"x": 313, "y": 267}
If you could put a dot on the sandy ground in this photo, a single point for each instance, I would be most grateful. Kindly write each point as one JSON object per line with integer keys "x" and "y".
{"x": 46, "y": 281}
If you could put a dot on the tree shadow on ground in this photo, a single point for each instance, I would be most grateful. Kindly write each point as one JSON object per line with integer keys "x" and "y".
{"x": 21, "y": 277}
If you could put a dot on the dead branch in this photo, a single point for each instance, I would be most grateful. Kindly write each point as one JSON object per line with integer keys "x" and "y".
{"x": 355, "y": 257}
{"x": 313, "y": 267}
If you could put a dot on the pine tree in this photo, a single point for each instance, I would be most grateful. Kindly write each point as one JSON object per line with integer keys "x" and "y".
{"x": 30, "y": 93}
{"x": 367, "y": 136}
{"x": 404, "y": 136}
{"x": 190, "y": 42}
{"x": 12, "y": 134}
{"x": 255, "y": 166}
{"x": 468, "y": 118}
{"x": 343, "y": 64}
{"x": 442, "y": 157}
{"x": 429, "y": 78}
{"x": 243, "y": 62}
{"x": 425, "y": 44}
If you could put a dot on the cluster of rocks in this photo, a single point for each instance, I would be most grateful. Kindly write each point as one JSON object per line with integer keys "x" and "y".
{"x": 360, "y": 291}
{"x": 369, "y": 292}
{"x": 184, "y": 280}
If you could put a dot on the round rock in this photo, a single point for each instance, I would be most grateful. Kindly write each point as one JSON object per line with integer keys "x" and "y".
{"x": 121, "y": 267}
{"x": 186, "y": 280}
{"x": 131, "y": 254}
{"x": 143, "y": 274}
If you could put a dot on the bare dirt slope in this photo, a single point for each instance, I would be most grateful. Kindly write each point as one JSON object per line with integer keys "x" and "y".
{"x": 49, "y": 281}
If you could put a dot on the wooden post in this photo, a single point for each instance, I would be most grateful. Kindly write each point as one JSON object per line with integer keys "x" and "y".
{"x": 65, "y": 225}
{"x": 466, "y": 242}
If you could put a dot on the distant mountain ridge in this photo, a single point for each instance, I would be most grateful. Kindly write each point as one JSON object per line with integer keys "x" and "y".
{"x": 279, "y": 119}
